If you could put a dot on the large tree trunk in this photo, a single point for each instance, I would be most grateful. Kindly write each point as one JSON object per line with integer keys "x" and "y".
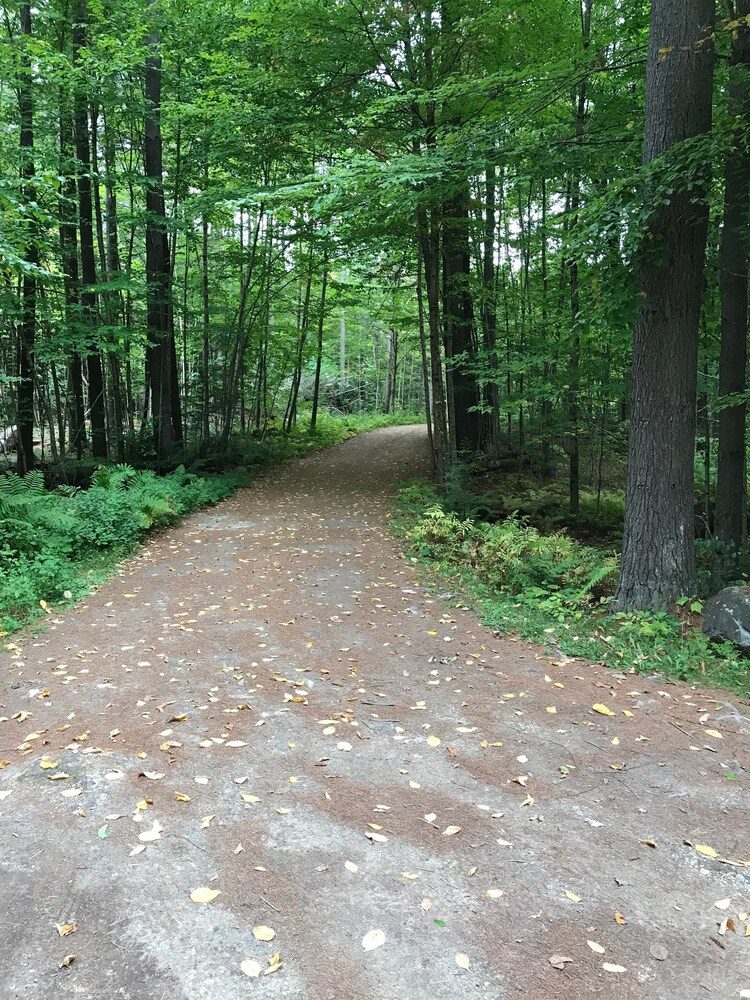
{"x": 161, "y": 348}
{"x": 25, "y": 397}
{"x": 730, "y": 487}
{"x": 458, "y": 317}
{"x": 658, "y": 558}
{"x": 86, "y": 244}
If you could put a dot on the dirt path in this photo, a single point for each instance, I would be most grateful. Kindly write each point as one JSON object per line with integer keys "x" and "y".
{"x": 280, "y": 648}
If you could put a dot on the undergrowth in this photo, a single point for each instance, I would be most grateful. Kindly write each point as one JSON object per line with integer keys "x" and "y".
{"x": 553, "y": 589}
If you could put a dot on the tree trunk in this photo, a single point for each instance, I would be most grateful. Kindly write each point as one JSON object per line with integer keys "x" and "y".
{"x": 25, "y": 397}
{"x": 458, "y": 318}
{"x": 733, "y": 277}
{"x": 319, "y": 353}
{"x": 161, "y": 347}
{"x": 86, "y": 245}
{"x": 658, "y": 558}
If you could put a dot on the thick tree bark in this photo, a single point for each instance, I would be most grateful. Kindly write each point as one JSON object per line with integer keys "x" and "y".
{"x": 658, "y": 558}
{"x": 458, "y": 317}
{"x": 25, "y": 397}
{"x": 730, "y": 487}
{"x": 161, "y": 354}
{"x": 86, "y": 244}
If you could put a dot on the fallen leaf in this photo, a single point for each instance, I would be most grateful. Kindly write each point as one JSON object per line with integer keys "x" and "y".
{"x": 204, "y": 895}
{"x": 67, "y": 962}
{"x": 64, "y": 929}
{"x": 138, "y": 849}
{"x": 206, "y": 821}
{"x": 373, "y": 939}
{"x": 351, "y": 867}
{"x": 620, "y": 919}
{"x": 451, "y": 831}
{"x": 494, "y": 893}
{"x": 433, "y": 741}
{"x": 251, "y": 968}
{"x": 713, "y": 732}
{"x": 659, "y": 952}
{"x": 152, "y": 835}
{"x": 723, "y": 904}
{"x": 602, "y": 709}
{"x": 263, "y": 933}
{"x": 102, "y": 832}
{"x": 608, "y": 967}
{"x": 377, "y": 838}
{"x": 573, "y": 897}
{"x": 559, "y": 961}
{"x": 595, "y": 947}
{"x": 462, "y": 961}
{"x": 706, "y": 851}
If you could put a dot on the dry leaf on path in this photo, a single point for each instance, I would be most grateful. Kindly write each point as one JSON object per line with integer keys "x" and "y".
{"x": 251, "y": 968}
{"x": 263, "y": 933}
{"x": 608, "y": 967}
{"x": 559, "y": 961}
{"x": 373, "y": 939}
{"x": 594, "y": 946}
{"x": 602, "y": 709}
{"x": 204, "y": 895}
{"x": 462, "y": 961}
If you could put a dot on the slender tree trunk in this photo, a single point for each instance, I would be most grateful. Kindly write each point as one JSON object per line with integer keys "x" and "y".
{"x": 25, "y": 397}
{"x": 658, "y": 558}
{"x": 88, "y": 298}
{"x": 733, "y": 263}
{"x": 319, "y": 352}
{"x": 161, "y": 353}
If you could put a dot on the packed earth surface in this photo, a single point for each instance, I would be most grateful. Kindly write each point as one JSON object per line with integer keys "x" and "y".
{"x": 377, "y": 796}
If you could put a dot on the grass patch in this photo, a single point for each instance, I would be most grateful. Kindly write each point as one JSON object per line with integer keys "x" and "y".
{"x": 552, "y": 589}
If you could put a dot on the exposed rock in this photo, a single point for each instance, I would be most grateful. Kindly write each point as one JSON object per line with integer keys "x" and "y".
{"x": 726, "y": 617}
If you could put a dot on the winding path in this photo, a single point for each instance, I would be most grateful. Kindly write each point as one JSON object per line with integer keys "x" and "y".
{"x": 282, "y": 653}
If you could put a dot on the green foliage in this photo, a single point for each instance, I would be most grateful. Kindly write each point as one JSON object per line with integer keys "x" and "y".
{"x": 544, "y": 588}
{"x": 52, "y": 541}
{"x": 514, "y": 557}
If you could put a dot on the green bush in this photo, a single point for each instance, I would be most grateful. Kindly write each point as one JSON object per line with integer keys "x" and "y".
{"x": 515, "y": 558}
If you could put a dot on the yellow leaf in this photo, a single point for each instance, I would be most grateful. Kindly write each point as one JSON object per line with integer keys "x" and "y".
{"x": 67, "y": 961}
{"x": 433, "y": 741}
{"x": 572, "y": 896}
{"x": 263, "y": 933}
{"x": 181, "y": 797}
{"x": 602, "y": 710}
{"x": 251, "y": 968}
{"x": 451, "y": 831}
{"x": 706, "y": 851}
{"x": 552, "y": 710}
{"x": 494, "y": 893}
{"x": 713, "y": 732}
{"x": 48, "y": 765}
{"x": 204, "y": 895}
{"x": 252, "y": 799}
{"x": 64, "y": 929}
{"x": 462, "y": 961}
{"x": 206, "y": 821}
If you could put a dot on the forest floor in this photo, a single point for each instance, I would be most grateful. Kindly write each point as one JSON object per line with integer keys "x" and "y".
{"x": 267, "y": 703}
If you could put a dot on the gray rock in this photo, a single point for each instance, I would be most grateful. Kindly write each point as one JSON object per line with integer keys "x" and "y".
{"x": 726, "y": 617}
